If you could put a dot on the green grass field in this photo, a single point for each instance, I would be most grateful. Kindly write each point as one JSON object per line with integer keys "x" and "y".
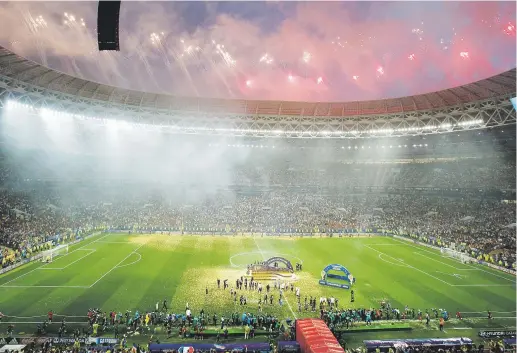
{"x": 121, "y": 271}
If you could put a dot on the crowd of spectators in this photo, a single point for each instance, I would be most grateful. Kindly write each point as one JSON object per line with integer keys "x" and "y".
{"x": 474, "y": 173}
{"x": 35, "y": 211}
{"x": 485, "y": 226}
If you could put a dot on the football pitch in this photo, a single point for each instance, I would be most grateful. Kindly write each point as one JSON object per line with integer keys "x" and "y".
{"x": 133, "y": 272}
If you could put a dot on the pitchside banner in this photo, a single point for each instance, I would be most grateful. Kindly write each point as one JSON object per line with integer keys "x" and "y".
{"x": 493, "y": 334}
{"x": 83, "y": 340}
{"x": 372, "y": 345}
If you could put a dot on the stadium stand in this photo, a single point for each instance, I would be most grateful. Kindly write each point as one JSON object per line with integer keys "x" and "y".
{"x": 451, "y": 182}
{"x": 480, "y": 226}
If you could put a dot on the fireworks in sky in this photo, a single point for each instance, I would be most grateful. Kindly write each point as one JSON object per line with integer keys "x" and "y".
{"x": 311, "y": 49}
{"x": 509, "y": 29}
{"x": 266, "y": 58}
{"x": 306, "y": 57}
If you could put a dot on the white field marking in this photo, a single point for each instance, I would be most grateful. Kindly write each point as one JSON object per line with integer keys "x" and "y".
{"x": 393, "y": 263}
{"x": 259, "y": 249}
{"x": 383, "y": 244}
{"x": 483, "y": 285}
{"x": 25, "y": 274}
{"x": 479, "y": 269}
{"x": 44, "y": 267}
{"x": 115, "y": 242}
{"x": 445, "y": 264}
{"x": 289, "y": 305}
{"x": 114, "y": 267}
{"x": 132, "y": 263}
{"x": 452, "y": 274}
{"x": 70, "y": 264}
{"x": 285, "y": 297}
{"x": 73, "y": 262}
{"x": 412, "y": 267}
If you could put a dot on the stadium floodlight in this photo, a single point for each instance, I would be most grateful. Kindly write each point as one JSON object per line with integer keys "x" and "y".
{"x": 45, "y": 112}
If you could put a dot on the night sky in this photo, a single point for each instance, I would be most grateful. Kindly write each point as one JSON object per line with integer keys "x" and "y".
{"x": 302, "y": 51}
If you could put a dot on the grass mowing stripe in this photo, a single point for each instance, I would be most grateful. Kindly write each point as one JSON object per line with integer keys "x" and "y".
{"x": 412, "y": 267}
{"x": 179, "y": 268}
{"x": 474, "y": 267}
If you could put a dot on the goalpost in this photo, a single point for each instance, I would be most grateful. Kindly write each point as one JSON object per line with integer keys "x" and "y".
{"x": 49, "y": 255}
{"x": 462, "y": 257}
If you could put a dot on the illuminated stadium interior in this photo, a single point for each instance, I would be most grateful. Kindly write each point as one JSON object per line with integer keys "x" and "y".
{"x": 116, "y": 201}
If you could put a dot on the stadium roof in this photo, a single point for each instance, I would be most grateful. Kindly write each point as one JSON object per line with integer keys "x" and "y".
{"x": 24, "y": 70}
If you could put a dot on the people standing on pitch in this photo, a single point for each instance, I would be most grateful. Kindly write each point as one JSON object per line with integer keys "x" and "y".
{"x": 352, "y": 298}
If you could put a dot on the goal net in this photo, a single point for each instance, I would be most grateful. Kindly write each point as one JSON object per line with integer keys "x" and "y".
{"x": 49, "y": 255}
{"x": 462, "y": 257}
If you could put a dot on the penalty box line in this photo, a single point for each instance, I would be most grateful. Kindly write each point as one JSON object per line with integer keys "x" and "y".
{"x": 91, "y": 251}
{"x": 39, "y": 267}
{"x": 446, "y": 264}
{"x": 117, "y": 265}
{"x": 409, "y": 266}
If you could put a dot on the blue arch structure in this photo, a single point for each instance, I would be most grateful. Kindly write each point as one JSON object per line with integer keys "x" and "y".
{"x": 327, "y": 276}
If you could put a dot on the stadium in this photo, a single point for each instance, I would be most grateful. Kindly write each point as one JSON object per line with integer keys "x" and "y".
{"x": 141, "y": 218}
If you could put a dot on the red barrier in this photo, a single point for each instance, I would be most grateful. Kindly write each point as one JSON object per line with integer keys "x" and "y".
{"x": 314, "y": 336}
